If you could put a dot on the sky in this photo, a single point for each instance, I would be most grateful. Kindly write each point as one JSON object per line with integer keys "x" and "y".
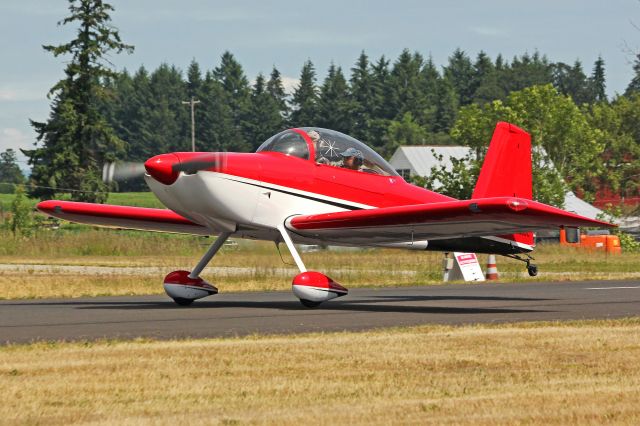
{"x": 284, "y": 34}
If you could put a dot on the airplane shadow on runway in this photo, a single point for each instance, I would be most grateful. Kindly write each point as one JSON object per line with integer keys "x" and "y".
{"x": 380, "y": 304}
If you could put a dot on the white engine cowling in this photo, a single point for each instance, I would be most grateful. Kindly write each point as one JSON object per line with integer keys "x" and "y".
{"x": 316, "y": 287}
{"x": 179, "y": 286}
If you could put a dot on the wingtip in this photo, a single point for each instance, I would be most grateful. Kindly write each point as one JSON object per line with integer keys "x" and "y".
{"x": 47, "y": 205}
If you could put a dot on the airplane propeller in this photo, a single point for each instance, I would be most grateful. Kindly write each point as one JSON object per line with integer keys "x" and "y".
{"x": 164, "y": 167}
{"x": 122, "y": 170}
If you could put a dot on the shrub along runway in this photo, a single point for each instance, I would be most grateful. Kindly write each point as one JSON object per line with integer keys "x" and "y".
{"x": 237, "y": 314}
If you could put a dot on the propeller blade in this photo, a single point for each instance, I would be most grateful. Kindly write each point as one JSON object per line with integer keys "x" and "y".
{"x": 116, "y": 172}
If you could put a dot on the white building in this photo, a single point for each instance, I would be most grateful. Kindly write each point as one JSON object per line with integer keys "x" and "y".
{"x": 419, "y": 160}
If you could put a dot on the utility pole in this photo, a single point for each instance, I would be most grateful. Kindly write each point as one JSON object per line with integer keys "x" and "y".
{"x": 193, "y": 103}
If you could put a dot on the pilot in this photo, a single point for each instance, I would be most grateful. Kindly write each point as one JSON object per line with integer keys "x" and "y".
{"x": 317, "y": 144}
{"x": 352, "y": 159}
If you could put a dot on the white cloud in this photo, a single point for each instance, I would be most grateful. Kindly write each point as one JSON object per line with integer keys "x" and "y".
{"x": 490, "y": 31}
{"x": 290, "y": 84}
{"x": 11, "y": 137}
{"x": 311, "y": 37}
{"x": 26, "y": 93}
{"x": 7, "y": 94}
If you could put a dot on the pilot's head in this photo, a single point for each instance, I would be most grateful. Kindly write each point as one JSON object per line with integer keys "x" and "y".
{"x": 352, "y": 158}
{"x": 315, "y": 136}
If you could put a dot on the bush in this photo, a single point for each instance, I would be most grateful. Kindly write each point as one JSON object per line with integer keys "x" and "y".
{"x": 7, "y": 188}
{"x": 628, "y": 242}
{"x": 21, "y": 219}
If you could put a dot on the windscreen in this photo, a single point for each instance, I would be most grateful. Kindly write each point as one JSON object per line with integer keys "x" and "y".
{"x": 288, "y": 142}
{"x": 337, "y": 149}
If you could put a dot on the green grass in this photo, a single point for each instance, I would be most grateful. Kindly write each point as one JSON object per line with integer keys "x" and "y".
{"x": 137, "y": 199}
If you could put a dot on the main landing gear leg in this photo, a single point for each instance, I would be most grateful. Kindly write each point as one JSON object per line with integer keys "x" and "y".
{"x": 184, "y": 287}
{"x": 312, "y": 288}
{"x": 532, "y": 269}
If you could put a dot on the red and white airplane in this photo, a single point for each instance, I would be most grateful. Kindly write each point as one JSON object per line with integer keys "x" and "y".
{"x": 318, "y": 186}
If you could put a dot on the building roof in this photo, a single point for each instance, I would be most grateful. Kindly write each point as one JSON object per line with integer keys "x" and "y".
{"x": 420, "y": 159}
{"x": 576, "y": 205}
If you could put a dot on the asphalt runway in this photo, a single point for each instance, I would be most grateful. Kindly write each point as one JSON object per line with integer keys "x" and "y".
{"x": 238, "y": 314}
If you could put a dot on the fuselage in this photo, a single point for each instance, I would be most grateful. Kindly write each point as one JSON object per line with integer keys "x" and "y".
{"x": 251, "y": 194}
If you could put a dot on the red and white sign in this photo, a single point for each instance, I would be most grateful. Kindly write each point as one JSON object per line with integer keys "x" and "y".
{"x": 464, "y": 267}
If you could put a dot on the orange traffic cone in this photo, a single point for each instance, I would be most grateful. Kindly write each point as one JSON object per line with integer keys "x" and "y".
{"x": 492, "y": 269}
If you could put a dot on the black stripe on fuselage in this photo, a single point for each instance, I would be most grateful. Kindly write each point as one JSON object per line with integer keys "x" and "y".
{"x": 308, "y": 197}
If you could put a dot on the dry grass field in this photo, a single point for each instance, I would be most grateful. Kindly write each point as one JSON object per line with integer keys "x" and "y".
{"x": 538, "y": 373}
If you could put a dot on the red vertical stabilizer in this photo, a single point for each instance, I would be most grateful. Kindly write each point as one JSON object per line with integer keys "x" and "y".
{"x": 506, "y": 170}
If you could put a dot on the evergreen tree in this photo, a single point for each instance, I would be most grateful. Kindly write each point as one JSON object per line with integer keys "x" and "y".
{"x": 571, "y": 81}
{"x": 405, "y": 87}
{"x": 275, "y": 88}
{"x": 76, "y": 140}
{"x": 500, "y": 64}
{"x": 380, "y": 110}
{"x": 168, "y": 119}
{"x": 216, "y": 123}
{"x": 634, "y": 85}
{"x": 381, "y": 87}
{"x": 429, "y": 78}
{"x": 446, "y": 106}
{"x": 134, "y": 121}
{"x": 10, "y": 173}
{"x": 238, "y": 92}
{"x": 597, "y": 83}
{"x": 526, "y": 71}
{"x": 304, "y": 104}
{"x": 459, "y": 72}
{"x": 194, "y": 80}
{"x": 334, "y": 104}
{"x": 129, "y": 119}
{"x": 362, "y": 95}
{"x": 485, "y": 83}
{"x": 264, "y": 118}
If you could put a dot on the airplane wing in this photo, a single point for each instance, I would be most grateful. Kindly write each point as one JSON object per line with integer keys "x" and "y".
{"x": 126, "y": 217}
{"x": 450, "y": 219}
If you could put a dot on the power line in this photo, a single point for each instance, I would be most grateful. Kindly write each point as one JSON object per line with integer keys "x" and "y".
{"x": 56, "y": 188}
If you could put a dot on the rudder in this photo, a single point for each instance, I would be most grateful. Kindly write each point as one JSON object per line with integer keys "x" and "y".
{"x": 506, "y": 171}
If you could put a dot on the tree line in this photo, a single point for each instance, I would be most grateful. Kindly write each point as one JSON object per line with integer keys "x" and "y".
{"x": 386, "y": 104}
{"x": 381, "y": 102}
